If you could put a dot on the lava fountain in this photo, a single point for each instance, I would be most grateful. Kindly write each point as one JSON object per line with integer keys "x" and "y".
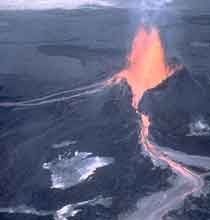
{"x": 146, "y": 69}
{"x": 146, "y": 64}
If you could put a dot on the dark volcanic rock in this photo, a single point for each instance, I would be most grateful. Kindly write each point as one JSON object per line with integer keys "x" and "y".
{"x": 193, "y": 209}
{"x": 173, "y": 105}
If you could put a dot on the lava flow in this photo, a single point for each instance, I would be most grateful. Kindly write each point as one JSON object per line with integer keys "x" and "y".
{"x": 146, "y": 69}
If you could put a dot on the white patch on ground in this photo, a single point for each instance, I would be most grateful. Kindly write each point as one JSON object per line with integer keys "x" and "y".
{"x": 72, "y": 209}
{"x": 64, "y": 144}
{"x": 23, "y": 209}
{"x": 199, "y": 128}
{"x": 68, "y": 172}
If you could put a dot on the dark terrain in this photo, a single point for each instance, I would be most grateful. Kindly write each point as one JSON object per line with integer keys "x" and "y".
{"x": 46, "y": 52}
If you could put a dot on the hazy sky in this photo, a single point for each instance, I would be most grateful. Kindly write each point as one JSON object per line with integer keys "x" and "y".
{"x": 70, "y": 4}
{"x": 48, "y": 4}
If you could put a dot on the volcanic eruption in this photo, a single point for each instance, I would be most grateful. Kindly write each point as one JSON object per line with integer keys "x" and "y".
{"x": 146, "y": 64}
{"x": 146, "y": 69}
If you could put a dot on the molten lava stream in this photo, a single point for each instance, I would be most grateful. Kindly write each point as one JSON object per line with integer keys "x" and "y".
{"x": 146, "y": 69}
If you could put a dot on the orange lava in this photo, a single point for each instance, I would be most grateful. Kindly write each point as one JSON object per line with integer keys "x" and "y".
{"x": 146, "y": 64}
{"x": 154, "y": 152}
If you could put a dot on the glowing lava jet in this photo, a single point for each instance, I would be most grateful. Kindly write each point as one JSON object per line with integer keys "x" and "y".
{"x": 146, "y": 69}
{"x": 146, "y": 64}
